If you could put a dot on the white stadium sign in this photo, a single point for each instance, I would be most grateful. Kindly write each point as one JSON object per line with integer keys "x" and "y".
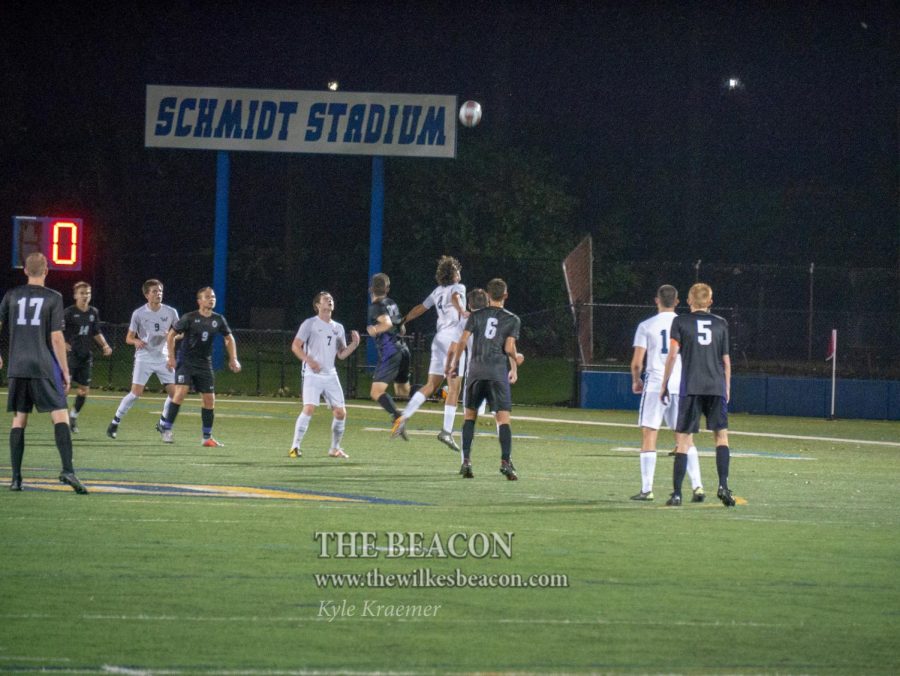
{"x": 277, "y": 120}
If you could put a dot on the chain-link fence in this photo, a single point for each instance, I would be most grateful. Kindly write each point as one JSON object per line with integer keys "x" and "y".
{"x": 765, "y": 340}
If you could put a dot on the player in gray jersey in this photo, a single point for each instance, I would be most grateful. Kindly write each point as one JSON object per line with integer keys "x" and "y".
{"x": 492, "y": 368}
{"x": 81, "y": 332}
{"x": 196, "y": 330}
{"x": 318, "y": 341}
{"x": 701, "y": 338}
{"x": 38, "y": 367}
{"x": 147, "y": 331}
{"x": 385, "y": 326}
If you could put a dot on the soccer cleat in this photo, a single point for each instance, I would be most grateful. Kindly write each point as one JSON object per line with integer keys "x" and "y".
{"x": 642, "y": 496}
{"x": 466, "y": 470}
{"x": 398, "y": 429}
{"x": 725, "y": 496}
{"x": 73, "y": 425}
{"x": 159, "y": 427}
{"x": 70, "y": 479}
{"x": 112, "y": 430}
{"x": 699, "y": 495}
{"x": 167, "y": 436}
{"x": 337, "y": 453}
{"x": 295, "y": 452}
{"x": 211, "y": 443}
{"x": 15, "y": 484}
{"x": 446, "y": 438}
{"x": 507, "y": 470}
{"x": 674, "y": 500}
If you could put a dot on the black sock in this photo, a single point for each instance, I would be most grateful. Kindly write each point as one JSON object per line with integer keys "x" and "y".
{"x": 79, "y": 402}
{"x": 505, "y": 434}
{"x": 388, "y": 405}
{"x": 207, "y": 415}
{"x": 173, "y": 413}
{"x": 468, "y": 433}
{"x": 723, "y": 457}
{"x": 64, "y": 445}
{"x": 16, "y": 450}
{"x": 678, "y": 471}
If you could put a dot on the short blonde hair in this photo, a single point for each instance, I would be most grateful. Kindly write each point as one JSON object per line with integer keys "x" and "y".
{"x": 36, "y": 264}
{"x": 700, "y": 295}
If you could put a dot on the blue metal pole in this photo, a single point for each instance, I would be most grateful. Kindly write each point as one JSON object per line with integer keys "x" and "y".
{"x": 376, "y": 232}
{"x": 220, "y": 245}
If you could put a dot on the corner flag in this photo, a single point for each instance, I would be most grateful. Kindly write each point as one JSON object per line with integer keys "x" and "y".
{"x": 832, "y": 356}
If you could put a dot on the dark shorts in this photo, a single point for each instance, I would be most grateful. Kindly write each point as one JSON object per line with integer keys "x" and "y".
{"x": 81, "y": 370}
{"x": 393, "y": 369}
{"x": 692, "y": 406}
{"x": 43, "y": 394}
{"x": 497, "y": 393}
{"x": 201, "y": 378}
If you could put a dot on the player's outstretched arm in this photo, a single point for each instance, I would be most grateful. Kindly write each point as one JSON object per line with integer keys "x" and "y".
{"x": 416, "y": 312}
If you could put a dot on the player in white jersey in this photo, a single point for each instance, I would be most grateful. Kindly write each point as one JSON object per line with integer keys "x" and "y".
{"x": 318, "y": 341}
{"x": 449, "y": 300}
{"x": 147, "y": 331}
{"x": 651, "y": 340}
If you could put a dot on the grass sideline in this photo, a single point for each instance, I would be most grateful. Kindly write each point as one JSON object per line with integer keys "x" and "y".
{"x": 800, "y": 579}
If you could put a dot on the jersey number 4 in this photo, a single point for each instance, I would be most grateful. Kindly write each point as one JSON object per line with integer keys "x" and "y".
{"x": 37, "y": 304}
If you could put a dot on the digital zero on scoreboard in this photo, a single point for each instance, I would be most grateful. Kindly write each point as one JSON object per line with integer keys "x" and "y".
{"x": 59, "y": 238}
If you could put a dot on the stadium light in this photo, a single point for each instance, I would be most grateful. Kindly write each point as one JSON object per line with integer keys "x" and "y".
{"x": 333, "y": 85}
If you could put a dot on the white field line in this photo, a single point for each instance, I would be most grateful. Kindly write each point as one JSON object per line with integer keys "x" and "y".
{"x": 253, "y": 619}
{"x": 712, "y": 454}
{"x": 564, "y": 421}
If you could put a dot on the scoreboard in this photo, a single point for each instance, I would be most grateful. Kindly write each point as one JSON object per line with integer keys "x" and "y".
{"x": 60, "y": 239}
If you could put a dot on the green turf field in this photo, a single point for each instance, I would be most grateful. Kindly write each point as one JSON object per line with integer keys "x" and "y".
{"x": 187, "y": 560}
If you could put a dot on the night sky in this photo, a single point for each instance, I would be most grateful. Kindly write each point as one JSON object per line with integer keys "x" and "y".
{"x": 629, "y": 101}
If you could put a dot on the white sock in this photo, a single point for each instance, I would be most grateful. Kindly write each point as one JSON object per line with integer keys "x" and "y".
{"x": 648, "y": 469}
{"x": 73, "y": 414}
{"x": 300, "y": 428}
{"x": 126, "y": 403}
{"x": 483, "y": 407}
{"x": 337, "y": 432}
{"x": 413, "y": 405}
{"x": 693, "y": 467}
{"x": 449, "y": 418}
{"x": 165, "y": 411}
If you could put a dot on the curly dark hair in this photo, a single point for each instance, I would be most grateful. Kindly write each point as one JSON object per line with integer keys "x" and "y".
{"x": 447, "y": 267}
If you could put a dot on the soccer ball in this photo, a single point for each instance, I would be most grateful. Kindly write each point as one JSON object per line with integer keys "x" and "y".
{"x": 470, "y": 113}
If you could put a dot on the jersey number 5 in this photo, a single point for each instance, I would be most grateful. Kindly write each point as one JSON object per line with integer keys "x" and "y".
{"x": 704, "y": 333}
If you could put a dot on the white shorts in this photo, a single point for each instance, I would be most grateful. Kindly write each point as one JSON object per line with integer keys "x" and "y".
{"x": 144, "y": 369}
{"x": 653, "y": 411}
{"x": 316, "y": 385}
{"x": 440, "y": 346}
